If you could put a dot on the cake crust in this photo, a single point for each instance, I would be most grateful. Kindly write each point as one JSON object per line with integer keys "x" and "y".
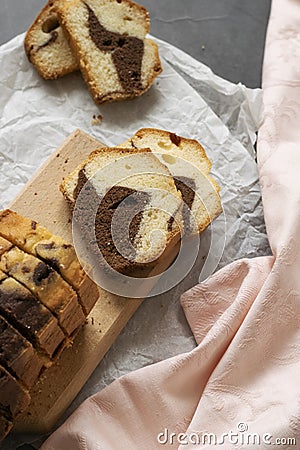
{"x": 35, "y": 239}
{"x": 47, "y": 45}
{"x": 109, "y": 39}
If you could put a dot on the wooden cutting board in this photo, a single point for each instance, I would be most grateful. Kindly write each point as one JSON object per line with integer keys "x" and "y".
{"x": 42, "y": 201}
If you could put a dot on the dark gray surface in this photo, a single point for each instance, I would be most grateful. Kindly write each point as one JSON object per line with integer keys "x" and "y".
{"x": 227, "y": 35}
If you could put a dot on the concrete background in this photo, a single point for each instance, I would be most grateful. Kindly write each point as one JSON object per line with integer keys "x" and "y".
{"x": 227, "y": 35}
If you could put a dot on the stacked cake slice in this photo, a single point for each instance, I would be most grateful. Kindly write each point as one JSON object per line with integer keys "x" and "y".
{"x": 130, "y": 193}
{"x": 150, "y": 151}
{"x": 189, "y": 165}
{"x": 106, "y": 39}
{"x": 41, "y": 309}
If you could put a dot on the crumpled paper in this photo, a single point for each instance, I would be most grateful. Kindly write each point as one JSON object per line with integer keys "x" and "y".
{"x": 188, "y": 99}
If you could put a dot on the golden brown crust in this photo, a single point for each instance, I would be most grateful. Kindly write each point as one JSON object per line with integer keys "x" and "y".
{"x": 182, "y": 142}
{"x": 38, "y": 241}
{"x": 38, "y": 43}
{"x": 94, "y": 161}
{"x": 46, "y": 285}
{"x": 5, "y": 425}
{"x": 18, "y": 355}
{"x": 30, "y": 317}
{"x": 35, "y": 338}
{"x": 85, "y": 59}
{"x": 166, "y": 142}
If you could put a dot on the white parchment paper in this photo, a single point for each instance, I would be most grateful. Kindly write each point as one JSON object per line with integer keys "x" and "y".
{"x": 188, "y": 99}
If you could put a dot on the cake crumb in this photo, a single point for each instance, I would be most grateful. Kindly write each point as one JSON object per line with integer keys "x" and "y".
{"x": 97, "y": 119}
{"x": 58, "y": 155}
{"x": 66, "y": 161}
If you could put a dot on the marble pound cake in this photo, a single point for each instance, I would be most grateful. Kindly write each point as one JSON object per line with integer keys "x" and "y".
{"x": 14, "y": 399}
{"x": 109, "y": 39}
{"x": 47, "y": 45}
{"x": 186, "y": 161}
{"x": 189, "y": 165}
{"x": 37, "y": 240}
{"x": 41, "y": 310}
{"x": 139, "y": 188}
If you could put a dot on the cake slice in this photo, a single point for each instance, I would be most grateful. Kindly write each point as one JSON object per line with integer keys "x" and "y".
{"x": 137, "y": 206}
{"x": 6, "y": 424}
{"x": 33, "y": 238}
{"x": 46, "y": 285}
{"x": 108, "y": 37}
{"x": 17, "y": 355}
{"x": 35, "y": 322}
{"x": 14, "y": 398}
{"x": 47, "y": 45}
{"x": 188, "y": 163}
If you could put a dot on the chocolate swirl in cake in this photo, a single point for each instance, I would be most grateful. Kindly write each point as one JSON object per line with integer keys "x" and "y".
{"x": 51, "y": 40}
{"x": 126, "y": 51}
{"x": 129, "y": 203}
{"x": 17, "y": 355}
{"x": 20, "y": 308}
{"x": 187, "y": 187}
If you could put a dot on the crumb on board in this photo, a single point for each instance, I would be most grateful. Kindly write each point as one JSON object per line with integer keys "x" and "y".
{"x": 58, "y": 155}
{"x": 97, "y": 119}
{"x": 66, "y": 161}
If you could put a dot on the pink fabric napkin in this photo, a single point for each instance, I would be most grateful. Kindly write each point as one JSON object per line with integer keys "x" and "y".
{"x": 243, "y": 377}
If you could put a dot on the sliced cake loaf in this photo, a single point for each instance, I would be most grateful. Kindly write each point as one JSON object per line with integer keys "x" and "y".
{"x": 14, "y": 398}
{"x": 108, "y": 37}
{"x": 47, "y": 45}
{"x": 30, "y": 317}
{"x": 6, "y": 424}
{"x": 17, "y": 355}
{"x": 190, "y": 167}
{"x": 140, "y": 192}
{"x": 33, "y": 238}
{"x": 39, "y": 310}
{"x": 47, "y": 285}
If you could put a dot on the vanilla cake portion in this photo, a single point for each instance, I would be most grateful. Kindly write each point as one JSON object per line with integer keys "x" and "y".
{"x": 189, "y": 165}
{"x": 29, "y": 316}
{"x": 137, "y": 203}
{"x": 47, "y": 45}
{"x": 37, "y": 240}
{"x": 14, "y": 398}
{"x": 109, "y": 40}
{"x": 47, "y": 285}
{"x": 18, "y": 354}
